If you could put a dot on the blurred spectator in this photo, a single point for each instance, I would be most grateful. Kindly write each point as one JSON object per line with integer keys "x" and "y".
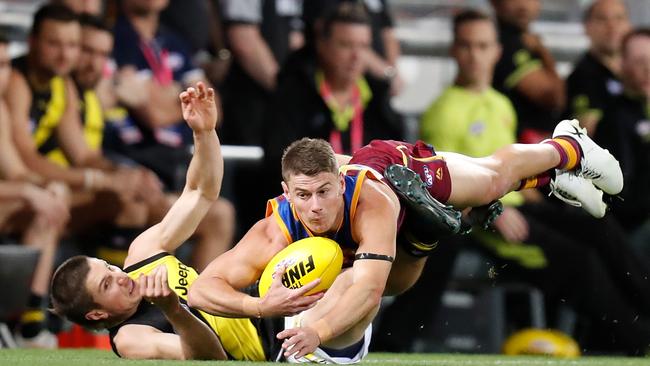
{"x": 595, "y": 78}
{"x": 260, "y": 34}
{"x": 43, "y": 103}
{"x": 160, "y": 60}
{"x": 526, "y": 70}
{"x": 34, "y": 212}
{"x": 625, "y": 131}
{"x": 382, "y": 59}
{"x": 199, "y": 22}
{"x": 325, "y": 94}
{"x": 214, "y": 235}
{"x": 537, "y": 242}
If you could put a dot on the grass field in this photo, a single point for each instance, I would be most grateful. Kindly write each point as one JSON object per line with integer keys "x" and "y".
{"x": 20, "y": 357}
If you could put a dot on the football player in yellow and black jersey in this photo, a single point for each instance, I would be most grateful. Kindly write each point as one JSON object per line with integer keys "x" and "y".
{"x": 143, "y": 305}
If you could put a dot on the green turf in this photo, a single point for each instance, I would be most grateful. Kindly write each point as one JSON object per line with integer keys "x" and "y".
{"x": 20, "y": 357}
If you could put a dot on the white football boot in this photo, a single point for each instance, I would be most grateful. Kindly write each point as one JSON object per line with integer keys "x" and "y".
{"x": 578, "y": 191}
{"x": 597, "y": 164}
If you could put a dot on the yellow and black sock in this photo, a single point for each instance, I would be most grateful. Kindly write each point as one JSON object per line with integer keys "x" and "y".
{"x": 569, "y": 150}
{"x": 33, "y": 319}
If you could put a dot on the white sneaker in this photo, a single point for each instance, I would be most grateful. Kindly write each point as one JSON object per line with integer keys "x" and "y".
{"x": 44, "y": 339}
{"x": 597, "y": 163}
{"x": 578, "y": 191}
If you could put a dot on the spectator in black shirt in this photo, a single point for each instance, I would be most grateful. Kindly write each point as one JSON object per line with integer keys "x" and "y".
{"x": 526, "y": 71}
{"x": 625, "y": 131}
{"x": 260, "y": 34}
{"x": 382, "y": 60}
{"x": 325, "y": 94}
{"x": 594, "y": 81}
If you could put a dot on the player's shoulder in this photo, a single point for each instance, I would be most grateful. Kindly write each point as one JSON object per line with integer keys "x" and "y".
{"x": 376, "y": 194}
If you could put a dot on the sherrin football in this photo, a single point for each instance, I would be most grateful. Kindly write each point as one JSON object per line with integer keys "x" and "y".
{"x": 305, "y": 261}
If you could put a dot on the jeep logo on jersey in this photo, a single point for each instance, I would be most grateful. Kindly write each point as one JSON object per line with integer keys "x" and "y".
{"x": 291, "y": 278}
{"x": 427, "y": 175}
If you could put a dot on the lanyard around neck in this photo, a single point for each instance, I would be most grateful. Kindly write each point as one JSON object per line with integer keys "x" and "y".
{"x": 356, "y": 130}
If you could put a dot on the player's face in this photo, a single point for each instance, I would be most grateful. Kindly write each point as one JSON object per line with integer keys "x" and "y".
{"x": 57, "y": 46}
{"x": 5, "y": 67}
{"x": 111, "y": 288}
{"x": 344, "y": 53}
{"x": 607, "y": 26}
{"x": 476, "y": 51}
{"x": 96, "y": 47}
{"x": 636, "y": 65}
{"x": 518, "y": 12}
{"x": 317, "y": 200}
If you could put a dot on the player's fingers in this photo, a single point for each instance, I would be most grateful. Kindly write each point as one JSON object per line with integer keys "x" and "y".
{"x": 191, "y": 92}
{"x": 201, "y": 90}
{"x": 157, "y": 282}
{"x": 286, "y": 333}
{"x": 184, "y": 97}
{"x": 142, "y": 284}
{"x": 277, "y": 275}
{"x": 308, "y": 287}
{"x": 210, "y": 93}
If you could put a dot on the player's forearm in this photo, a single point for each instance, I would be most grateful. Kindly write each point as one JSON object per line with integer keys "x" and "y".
{"x": 52, "y": 172}
{"x": 206, "y": 169}
{"x": 218, "y": 298}
{"x": 356, "y": 303}
{"x": 198, "y": 341}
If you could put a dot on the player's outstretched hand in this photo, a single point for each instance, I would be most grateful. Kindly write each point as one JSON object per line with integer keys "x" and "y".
{"x": 282, "y": 301}
{"x": 199, "y": 107}
{"x": 299, "y": 341}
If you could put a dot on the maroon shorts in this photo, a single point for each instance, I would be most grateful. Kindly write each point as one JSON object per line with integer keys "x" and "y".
{"x": 421, "y": 158}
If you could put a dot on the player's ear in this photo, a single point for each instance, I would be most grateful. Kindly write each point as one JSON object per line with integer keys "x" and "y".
{"x": 342, "y": 182}
{"x": 285, "y": 190}
{"x": 96, "y": 314}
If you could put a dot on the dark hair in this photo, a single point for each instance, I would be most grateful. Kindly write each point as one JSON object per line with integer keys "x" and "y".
{"x": 69, "y": 295}
{"x": 3, "y": 39}
{"x": 95, "y": 22}
{"x": 347, "y": 13}
{"x": 469, "y": 15}
{"x": 642, "y": 32}
{"x": 309, "y": 157}
{"x": 52, "y": 12}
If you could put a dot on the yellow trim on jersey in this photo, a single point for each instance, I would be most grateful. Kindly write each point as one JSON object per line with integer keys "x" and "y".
{"x": 53, "y": 112}
{"x": 405, "y": 157}
{"x": 273, "y": 210}
{"x": 239, "y": 337}
{"x": 93, "y": 120}
{"x": 357, "y": 192}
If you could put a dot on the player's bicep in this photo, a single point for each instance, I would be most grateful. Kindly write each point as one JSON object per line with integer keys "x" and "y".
{"x": 244, "y": 263}
{"x": 144, "y": 342}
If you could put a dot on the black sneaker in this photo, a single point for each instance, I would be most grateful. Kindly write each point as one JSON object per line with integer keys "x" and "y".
{"x": 483, "y": 216}
{"x": 427, "y": 218}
